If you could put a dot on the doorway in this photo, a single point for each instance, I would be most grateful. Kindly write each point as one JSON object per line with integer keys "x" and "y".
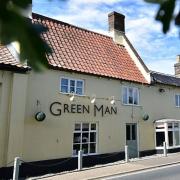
{"x": 131, "y": 139}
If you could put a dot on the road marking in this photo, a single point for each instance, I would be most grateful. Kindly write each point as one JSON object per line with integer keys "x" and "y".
{"x": 139, "y": 172}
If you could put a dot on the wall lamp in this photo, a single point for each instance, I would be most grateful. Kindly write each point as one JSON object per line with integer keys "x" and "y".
{"x": 93, "y": 99}
{"x": 71, "y": 97}
{"x": 112, "y": 100}
{"x": 40, "y": 116}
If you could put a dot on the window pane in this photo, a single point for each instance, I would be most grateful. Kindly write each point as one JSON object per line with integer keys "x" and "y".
{"x": 79, "y": 84}
{"x": 92, "y": 148}
{"x": 85, "y": 148}
{"x": 64, "y": 89}
{"x": 160, "y": 126}
{"x": 72, "y": 89}
{"x": 125, "y": 95}
{"x": 169, "y": 125}
{"x": 176, "y": 99}
{"x": 170, "y": 137}
{"x": 128, "y": 132}
{"x": 72, "y": 82}
{"x": 77, "y": 138}
{"x": 176, "y": 137}
{"x": 72, "y": 86}
{"x": 93, "y": 126}
{"x": 160, "y": 138}
{"x": 133, "y": 132}
{"x": 130, "y": 95}
{"x": 77, "y": 127}
{"x": 85, "y": 127}
{"x": 79, "y": 91}
{"x": 92, "y": 137}
{"x": 64, "y": 82}
{"x": 136, "y": 96}
{"x": 76, "y": 148}
{"x": 85, "y": 137}
{"x": 176, "y": 125}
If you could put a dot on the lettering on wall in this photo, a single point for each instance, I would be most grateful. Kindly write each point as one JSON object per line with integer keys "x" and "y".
{"x": 58, "y": 108}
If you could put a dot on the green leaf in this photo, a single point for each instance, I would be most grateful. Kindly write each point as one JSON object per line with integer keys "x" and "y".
{"x": 165, "y": 14}
{"x": 177, "y": 19}
{"x": 15, "y": 27}
{"x": 154, "y": 1}
{"x": 22, "y": 3}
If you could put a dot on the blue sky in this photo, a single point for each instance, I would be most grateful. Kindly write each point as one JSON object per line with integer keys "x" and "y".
{"x": 156, "y": 49}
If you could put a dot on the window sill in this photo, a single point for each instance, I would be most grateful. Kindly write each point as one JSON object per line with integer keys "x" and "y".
{"x": 134, "y": 105}
{"x": 69, "y": 94}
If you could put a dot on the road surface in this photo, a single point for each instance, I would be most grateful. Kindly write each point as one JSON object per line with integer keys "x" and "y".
{"x": 171, "y": 172}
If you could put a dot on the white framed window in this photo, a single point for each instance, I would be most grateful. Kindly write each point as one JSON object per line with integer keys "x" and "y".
{"x": 68, "y": 85}
{"x": 85, "y": 138}
{"x": 172, "y": 132}
{"x": 177, "y": 100}
{"x": 130, "y": 96}
{"x": 160, "y": 134}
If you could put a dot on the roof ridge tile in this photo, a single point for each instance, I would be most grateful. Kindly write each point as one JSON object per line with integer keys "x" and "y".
{"x": 35, "y": 15}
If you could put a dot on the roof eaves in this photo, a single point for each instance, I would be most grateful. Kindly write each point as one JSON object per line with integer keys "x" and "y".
{"x": 94, "y": 74}
{"x": 14, "y": 68}
{"x": 154, "y": 79}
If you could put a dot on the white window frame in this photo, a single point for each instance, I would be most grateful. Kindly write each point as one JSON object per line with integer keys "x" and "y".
{"x": 160, "y": 130}
{"x": 90, "y": 131}
{"x": 166, "y": 130}
{"x": 138, "y": 95}
{"x": 178, "y": 105}
{"x": 73, "y": 79}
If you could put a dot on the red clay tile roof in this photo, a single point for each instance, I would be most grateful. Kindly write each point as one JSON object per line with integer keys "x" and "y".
{"x": 6, "y": 58}
{"x": 85, "y": 51}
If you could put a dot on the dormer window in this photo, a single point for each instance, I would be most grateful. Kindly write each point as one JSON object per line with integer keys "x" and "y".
{"x": 75, "y": 86}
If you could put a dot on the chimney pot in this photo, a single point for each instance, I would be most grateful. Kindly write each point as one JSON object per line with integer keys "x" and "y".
{"x": 178, "y": 58}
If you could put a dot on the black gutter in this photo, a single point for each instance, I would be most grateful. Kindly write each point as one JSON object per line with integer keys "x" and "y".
{"x": 9, "y": 67}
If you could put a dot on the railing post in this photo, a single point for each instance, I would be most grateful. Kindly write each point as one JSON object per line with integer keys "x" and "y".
{"x": 126, "y": 153}
{"x": 164, "y": 149}
{"x": 80, "y": 156}
{"x": 17, "y": 163}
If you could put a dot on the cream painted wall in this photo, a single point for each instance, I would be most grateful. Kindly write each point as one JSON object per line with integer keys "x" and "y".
{"x": 53, "y": 137}
{"x": 5, "y": 96}
{"x": 12, "y": 111}
{"x": 24, "y": 95}
{"x": 17, "y": 116}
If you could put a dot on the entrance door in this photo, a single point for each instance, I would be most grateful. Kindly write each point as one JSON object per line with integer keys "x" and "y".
{"x": 131, "y": 139}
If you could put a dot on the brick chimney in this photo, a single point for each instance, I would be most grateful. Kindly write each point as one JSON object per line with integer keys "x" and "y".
{"x": 177, "y": 66}
{"x": 116, "y": 26}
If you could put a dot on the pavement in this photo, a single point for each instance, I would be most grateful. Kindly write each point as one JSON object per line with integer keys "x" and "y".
{"x": 104, "y": 171}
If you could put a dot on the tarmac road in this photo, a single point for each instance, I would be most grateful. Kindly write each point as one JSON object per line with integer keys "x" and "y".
{"x": 171, "y": 172}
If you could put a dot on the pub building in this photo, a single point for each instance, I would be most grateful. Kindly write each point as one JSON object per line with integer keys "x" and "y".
{"x": 96, "y": 96}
